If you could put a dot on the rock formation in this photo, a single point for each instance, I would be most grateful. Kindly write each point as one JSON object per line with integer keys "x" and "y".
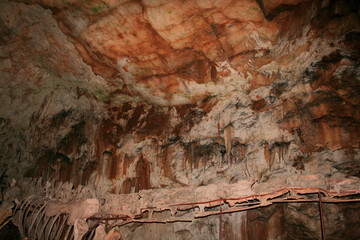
{"x": 154, "y": 109}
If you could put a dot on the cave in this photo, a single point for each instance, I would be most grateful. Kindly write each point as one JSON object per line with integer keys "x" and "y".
{"x": 180, "y": 119}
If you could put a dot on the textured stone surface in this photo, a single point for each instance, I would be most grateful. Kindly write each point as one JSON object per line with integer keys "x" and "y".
{"x": 125, "y": 96}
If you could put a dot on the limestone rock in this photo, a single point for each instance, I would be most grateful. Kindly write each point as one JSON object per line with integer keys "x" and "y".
{"x": 138, "y": 98}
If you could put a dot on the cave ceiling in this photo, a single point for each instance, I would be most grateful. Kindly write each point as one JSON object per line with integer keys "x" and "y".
{"x": 178, "y": 52}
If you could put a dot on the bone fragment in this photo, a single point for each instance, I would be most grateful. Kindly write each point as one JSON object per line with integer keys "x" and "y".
{"x": 81, "y": 209}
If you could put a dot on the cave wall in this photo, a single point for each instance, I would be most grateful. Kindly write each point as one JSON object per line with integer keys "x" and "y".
{"x": 126, "y": 96}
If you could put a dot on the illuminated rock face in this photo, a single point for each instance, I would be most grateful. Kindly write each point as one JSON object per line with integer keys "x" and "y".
{"x": 124, "y": 96}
